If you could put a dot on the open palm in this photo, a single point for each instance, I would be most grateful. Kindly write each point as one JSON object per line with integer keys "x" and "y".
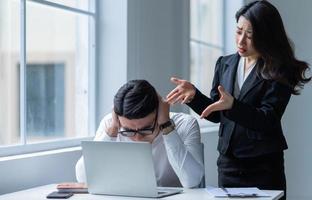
{"x": 183, "y": 93}
{"x": 224, "y": 103}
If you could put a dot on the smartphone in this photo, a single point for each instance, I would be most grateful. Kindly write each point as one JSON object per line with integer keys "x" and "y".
{"x": 58, "y": 195}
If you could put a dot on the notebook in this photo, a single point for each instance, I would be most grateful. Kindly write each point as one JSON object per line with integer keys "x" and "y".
{"x": 122, "y": 168}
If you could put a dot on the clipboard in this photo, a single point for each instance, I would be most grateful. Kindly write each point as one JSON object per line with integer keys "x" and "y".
{"x": 236, "y": 192}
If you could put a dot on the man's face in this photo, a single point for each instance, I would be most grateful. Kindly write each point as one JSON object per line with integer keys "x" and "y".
{"x": 144, "y": 129}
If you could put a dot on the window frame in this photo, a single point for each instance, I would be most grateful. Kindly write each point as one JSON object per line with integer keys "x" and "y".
{"x": 23, "y": 147}
{"x": 204, "y": 124}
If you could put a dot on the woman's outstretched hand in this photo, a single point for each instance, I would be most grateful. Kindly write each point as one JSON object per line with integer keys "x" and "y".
{"x": 224, "y": 103}
{"x": 184, "y": 91}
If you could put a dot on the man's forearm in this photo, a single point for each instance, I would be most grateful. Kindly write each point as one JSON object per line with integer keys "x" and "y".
{"x": 186, "y": 167}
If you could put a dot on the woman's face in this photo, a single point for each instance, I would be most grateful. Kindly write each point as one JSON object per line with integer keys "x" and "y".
{"x": 243, "y": 38}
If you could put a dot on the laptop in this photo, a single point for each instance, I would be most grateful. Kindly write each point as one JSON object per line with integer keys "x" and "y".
{"x": 122, "y": 168}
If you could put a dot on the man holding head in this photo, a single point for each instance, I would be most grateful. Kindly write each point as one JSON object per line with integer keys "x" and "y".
{"x": 140, "y": 114}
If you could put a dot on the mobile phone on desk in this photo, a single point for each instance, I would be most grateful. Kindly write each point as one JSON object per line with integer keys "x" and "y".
{"x": 58, "y": 195}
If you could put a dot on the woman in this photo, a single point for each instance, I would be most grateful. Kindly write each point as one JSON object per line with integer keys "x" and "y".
{"x": 249, "y": 95}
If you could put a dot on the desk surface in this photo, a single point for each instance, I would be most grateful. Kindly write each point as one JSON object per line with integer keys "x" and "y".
{"x": 40, "y": 193}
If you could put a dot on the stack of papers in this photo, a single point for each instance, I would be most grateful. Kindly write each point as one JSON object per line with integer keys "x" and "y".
{"x": 236, "y": 192}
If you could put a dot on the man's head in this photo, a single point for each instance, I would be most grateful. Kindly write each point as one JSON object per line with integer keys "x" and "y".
{"x": 136, "y": 105}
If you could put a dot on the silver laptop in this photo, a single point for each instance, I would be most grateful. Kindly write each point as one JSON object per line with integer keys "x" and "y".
{"x": 122, "y": 168}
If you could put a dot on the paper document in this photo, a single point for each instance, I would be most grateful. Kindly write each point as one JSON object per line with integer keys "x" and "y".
{"x": 72, "y": 187}
{"x": 236, "y": 192}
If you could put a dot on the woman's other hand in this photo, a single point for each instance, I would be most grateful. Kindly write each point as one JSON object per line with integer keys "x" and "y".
{"x": 183, "y": 93}
{"x": 224, "y": 103}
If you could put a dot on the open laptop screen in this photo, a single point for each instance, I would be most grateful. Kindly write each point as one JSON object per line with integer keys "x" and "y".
{"x": 120, "y": 168}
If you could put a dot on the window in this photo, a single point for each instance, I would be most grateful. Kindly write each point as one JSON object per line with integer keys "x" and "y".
{"x": 47, "y": 53}
{"x": 207, "y": 42}
{"x": 45, "y": 100}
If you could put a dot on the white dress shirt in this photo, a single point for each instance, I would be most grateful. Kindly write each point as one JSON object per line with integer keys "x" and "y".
{"x": 178, "y": 156}
{"x": 241, "y": 75}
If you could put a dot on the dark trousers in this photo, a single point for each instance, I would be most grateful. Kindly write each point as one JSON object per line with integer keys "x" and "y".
{"x": 265, "y": 172}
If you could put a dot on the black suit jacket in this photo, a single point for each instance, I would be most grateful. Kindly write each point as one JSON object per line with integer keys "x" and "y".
{"x": 252, "y": 127}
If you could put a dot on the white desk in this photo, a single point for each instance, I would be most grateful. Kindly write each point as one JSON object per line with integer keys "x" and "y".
{"x": 39, "y": 193}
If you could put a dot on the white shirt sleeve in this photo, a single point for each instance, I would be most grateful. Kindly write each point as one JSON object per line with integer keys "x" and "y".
{"x": 185, "y": 151}
{"x": 100, "y": 135}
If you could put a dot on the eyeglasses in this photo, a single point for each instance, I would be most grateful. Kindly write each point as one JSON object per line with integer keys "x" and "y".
{"x": 144, "y": 132}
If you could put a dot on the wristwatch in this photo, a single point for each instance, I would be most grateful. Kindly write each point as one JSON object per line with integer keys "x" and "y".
{"x": 167, "y": 127}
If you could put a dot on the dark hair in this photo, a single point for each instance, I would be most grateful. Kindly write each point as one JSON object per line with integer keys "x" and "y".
{"x": 136, "y": 99}
{"x": 271, "y": 41}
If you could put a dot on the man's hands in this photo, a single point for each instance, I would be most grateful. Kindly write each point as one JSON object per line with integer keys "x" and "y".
{"x": 163, "y": 111}
{"x": 112, "y": 125}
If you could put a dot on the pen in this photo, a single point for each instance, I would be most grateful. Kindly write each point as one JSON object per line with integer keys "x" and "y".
{"x": 225, "y": 190}
{"x": 242, "y": 195}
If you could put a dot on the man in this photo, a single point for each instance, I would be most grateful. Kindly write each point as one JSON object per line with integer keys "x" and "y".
{"x": 139, "y": 114}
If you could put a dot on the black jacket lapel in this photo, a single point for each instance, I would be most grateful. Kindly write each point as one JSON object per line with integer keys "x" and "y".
{"x": 229, "y": 74}
{"x": 252, "y": 80}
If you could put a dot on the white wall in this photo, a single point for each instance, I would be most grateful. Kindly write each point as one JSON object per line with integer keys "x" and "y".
{"x": 23, "y": 172}
{"x": 297, "y": 122}
{"x": 158, "y": 41}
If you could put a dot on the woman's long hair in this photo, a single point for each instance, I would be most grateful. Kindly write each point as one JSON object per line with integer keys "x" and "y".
{"x": 271, "y": 41}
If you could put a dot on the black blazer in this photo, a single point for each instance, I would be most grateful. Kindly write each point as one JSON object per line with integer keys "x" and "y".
{"x": 252, "y": 127}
